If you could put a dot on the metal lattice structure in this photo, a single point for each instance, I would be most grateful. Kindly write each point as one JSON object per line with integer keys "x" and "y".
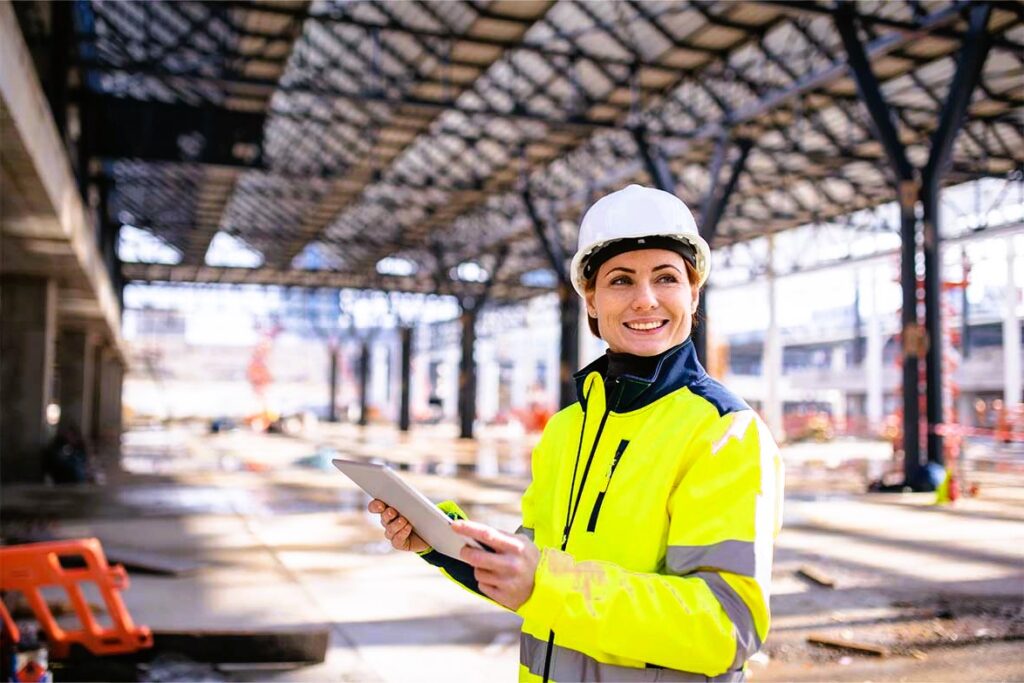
{"x": 329, "y": 136}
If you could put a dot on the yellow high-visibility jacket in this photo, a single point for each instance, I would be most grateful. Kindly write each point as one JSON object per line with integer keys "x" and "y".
{"x": 655, "y": 502}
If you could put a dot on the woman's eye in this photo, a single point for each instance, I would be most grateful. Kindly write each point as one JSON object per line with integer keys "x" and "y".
{"x": 621, "y": 280}
{"x": 668, "y": 278}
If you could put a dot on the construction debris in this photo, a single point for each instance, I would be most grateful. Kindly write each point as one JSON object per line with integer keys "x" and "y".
{"x": 816, "y": 575}
{"x": 847, "y": 644}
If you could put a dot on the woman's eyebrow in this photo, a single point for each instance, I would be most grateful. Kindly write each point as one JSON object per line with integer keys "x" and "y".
{"x": 623, "y": 269}
{"x": 664, "y": 266}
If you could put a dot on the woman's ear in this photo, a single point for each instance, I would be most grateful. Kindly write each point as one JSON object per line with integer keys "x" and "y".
{"x": 696, "y": 301}
{"x": 588, "y": 297}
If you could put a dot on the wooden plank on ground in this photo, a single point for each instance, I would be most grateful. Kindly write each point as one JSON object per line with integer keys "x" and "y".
{"x": 848, "y": 644}
{"x": 816, "y": 575}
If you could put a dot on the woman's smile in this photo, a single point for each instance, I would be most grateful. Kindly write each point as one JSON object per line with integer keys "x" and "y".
{"x": 646, "y": 326}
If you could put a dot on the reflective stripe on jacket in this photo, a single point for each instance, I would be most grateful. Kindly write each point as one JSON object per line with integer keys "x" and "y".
{"x": 655, "y": 502}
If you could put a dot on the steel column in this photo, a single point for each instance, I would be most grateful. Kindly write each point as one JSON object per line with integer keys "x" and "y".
{"x": 568, "y": 304}
{"x": 714, "y": 208}
{"x": 405, "y": 334}
{"x": 332, "y": 400}
{"x": 471, "y": 304}
{"x": 971, "y": 59}
{"x": 912, "y": 334}
{"x": 569, "y": 344}
{"x": 467, "y": 373}
{"x": 364, "y": 383}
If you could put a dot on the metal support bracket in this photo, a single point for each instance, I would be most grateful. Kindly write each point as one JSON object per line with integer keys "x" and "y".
{"x": 654, "y": 162}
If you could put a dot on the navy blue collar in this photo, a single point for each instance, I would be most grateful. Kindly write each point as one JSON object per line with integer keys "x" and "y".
{"x": 678, "y": 367}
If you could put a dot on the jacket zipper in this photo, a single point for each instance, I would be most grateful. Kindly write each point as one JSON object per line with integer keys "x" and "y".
{"x": 592, "y": 524}
{"x": 573, "y": 507}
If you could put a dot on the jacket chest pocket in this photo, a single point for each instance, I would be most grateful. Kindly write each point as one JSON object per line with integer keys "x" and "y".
{"x": 595, "y": 513}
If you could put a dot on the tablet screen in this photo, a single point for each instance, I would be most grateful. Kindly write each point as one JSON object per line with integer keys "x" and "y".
{"x": 432, "y": 525}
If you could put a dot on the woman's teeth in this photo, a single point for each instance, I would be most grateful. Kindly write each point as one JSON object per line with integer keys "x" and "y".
{"x": 645, "y": 326}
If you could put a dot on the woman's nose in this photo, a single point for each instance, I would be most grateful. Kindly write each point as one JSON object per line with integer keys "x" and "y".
{"x": 644, "y": 298}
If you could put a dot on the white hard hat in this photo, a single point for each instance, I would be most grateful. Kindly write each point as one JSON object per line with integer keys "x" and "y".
{"x": 636, "y": 212}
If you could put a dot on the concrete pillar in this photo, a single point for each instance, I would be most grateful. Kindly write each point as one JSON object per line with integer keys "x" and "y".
{"x": 1011, "y": 333}
{"x": 109, "y": 374}
{"x": 76, "y": 365}
{"x": 28, "y": 307}
{"x": 773, "y": 354}
{"x": 873, "y": 362}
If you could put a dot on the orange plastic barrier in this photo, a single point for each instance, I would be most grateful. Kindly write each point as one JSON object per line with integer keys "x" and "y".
{"x": 34, "y": 566}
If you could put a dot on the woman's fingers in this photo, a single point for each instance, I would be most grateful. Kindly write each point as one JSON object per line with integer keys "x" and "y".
{"x": 397, "y": 529}
{"x": 387, "y": 516}
{"x": 484, "y": 560}
{"x": 397, "y": 525}
{"x": 486, "y": 576}
{"x": 401, "y": 540}
{"x": 499, "y": 541}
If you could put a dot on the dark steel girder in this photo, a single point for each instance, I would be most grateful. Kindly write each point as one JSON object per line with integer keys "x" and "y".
{"x": 505, "y": 290}
{"x": 578, "y": 52}
{"x": 226, "y": 127}
{"x": 715, "y": 200}
{"x": 550, "y": 243}
{"x": 871, "y": 91}
{"x": 815, "y": 80}
{"x": 518, "y": 112}
{"x": 654, "y": 162}
{"x": 912, "y": 335}
{"x": 568, "y": 302}
{"x": 804, "y": 7}
{"x": 131, "y": 129}
{"x": 971, "y": 60}
{"x": 312, "y": 231}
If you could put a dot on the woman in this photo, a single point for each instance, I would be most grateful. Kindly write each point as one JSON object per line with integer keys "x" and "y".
{"x": 646, "y": 545}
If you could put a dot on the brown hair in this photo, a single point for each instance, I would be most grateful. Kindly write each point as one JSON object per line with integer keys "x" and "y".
{"x": 591, "y": 283}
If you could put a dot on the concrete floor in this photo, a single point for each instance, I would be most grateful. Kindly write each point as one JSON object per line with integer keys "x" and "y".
{"x": 283, "y": 541}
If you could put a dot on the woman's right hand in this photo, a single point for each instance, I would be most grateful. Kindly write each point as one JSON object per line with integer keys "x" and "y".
{"x": 397, "y": 529}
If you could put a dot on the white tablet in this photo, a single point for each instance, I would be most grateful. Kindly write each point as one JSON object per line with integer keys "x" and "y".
{"x": 432, "y": 525}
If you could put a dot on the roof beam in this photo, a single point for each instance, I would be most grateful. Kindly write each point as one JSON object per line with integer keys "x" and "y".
{"x": 804, "y": 7}
{"x": 282, "y": 277}
{"x": 813, "y": 81}
{"x": 331, "y": 207}
{"x": 576, "y": 53}
{"x": 251, "y": 85}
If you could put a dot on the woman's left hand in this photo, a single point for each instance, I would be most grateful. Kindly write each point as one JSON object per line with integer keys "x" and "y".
{"x": 506, "y": 575}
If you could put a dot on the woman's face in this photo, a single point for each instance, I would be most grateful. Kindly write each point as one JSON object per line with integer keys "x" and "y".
{"x": 643, "y": 301}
